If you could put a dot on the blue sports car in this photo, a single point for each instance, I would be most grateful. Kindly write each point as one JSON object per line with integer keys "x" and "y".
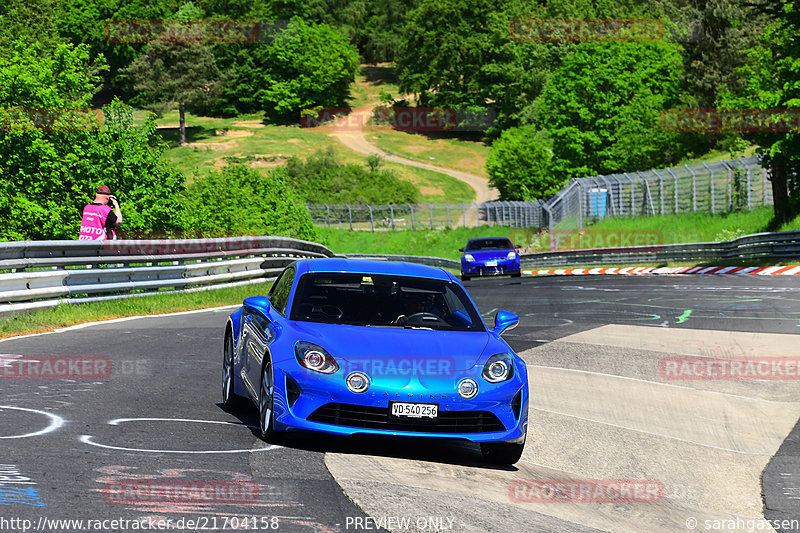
{"x": 493, "y": 256}
{"x": 345, "y": 346}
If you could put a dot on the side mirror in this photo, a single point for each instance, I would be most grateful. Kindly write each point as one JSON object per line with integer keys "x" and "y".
{"x": 505, "y": 320}
{"x": 258, "y": 303}
{"x": 460, "y": 249}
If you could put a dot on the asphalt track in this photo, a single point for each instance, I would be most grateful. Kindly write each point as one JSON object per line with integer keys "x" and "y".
{"x": 600, "y": 410}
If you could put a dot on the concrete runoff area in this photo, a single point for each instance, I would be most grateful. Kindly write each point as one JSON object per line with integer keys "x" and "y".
{"x": 705, "y": 441}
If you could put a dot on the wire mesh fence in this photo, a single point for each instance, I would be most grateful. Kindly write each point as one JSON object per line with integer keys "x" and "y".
{"x": 716, "y": 187}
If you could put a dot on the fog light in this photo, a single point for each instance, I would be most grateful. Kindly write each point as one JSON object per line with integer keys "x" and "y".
{"x": 357, "y": 382}
{"x": 467, "y": 388}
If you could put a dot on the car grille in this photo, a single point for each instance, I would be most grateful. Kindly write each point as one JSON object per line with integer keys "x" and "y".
{"x": 359, "y": 416}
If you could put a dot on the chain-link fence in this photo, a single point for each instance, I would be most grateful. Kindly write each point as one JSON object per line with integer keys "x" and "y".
{"x": 716, "y": 187}
{"x": 426, "y": 216}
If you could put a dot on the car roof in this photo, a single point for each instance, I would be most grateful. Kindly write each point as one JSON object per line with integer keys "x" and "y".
{"x": 366, "y": 266}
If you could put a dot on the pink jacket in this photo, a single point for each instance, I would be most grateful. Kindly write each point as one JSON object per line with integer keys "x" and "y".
{"x": 93, "y": 225}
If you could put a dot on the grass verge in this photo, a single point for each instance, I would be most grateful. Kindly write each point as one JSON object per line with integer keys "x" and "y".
{"x": 669, "y": 229}
{"x": 71, "y": 314}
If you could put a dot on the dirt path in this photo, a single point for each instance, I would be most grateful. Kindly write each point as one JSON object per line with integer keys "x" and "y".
{"x": 353, "y": 137}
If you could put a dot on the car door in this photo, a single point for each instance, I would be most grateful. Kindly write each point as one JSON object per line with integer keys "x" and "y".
{"x": 258, "y": 330}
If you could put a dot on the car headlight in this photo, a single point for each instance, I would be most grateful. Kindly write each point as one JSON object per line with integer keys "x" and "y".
{"x": 358, "y": 382}
{"x": 315, "y": 358}
{"x": 498, "y": 368}
{"x": 467, "y": 388}
{"x": 511, "y": 255}
{"x": 469, "y": 258}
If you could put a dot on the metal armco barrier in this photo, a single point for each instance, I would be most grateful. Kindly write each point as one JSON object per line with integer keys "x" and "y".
{"x": 418, "y": 259}
{"x": 780, "y": 245}
{"x": 39, "y": 274}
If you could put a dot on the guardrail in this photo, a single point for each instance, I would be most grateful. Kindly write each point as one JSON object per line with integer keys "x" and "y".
{"x": 779, "y": 245}
{"x": 418, "y": 259}
{"x": 39, "y": 274}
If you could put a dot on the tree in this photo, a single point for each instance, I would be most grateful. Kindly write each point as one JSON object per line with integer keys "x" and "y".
{"x": 771, "y": 76}
{"x": 240, "y": 200}
{"x": 602, "y": 108}
{"x": 169, "y": 73}
{"x": 91, "y": 22}
{"x": 519, "y": 165}
{"x": 51, "y": 167}
{"x": 307, "y": 65}
{"x": 31, "y": 22}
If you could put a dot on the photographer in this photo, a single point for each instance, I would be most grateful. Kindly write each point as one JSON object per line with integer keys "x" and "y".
{"x": 99, "y": 219}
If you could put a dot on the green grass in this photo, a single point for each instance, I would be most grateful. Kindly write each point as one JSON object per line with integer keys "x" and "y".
{"x": 437, "y": 243}
{"x": 211, "y": 140}
{"x": 70, "y": 314}
{"x": 445, "y": 150}
{"x": 369, "y": 82}
{"x": 695, "y": 227}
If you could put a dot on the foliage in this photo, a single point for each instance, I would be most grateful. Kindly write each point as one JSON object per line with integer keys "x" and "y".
{"x": 323, "y": 179}
{"x": 602, "y": 108}
{"x": 307, "y": 65}
{"x": 29, "y": 22}
{"x": 169, "y": 73}
{"x": 239, "y": 200}
{"x": 519, "y": 165}
{"x": 772, "y": 73}
{"x": 50, "y": 170}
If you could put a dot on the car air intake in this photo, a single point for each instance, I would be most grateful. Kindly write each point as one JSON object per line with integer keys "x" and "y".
{"x": 359, "y": 416}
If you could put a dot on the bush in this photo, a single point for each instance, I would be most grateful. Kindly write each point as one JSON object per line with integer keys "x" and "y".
{"x": 602, "y": 107}
{"x": 519, "y": 165}
{"x": 50, "y": 171}
{"x": 306, "y": 66}
{"x": 239, "y": 200}
{"x": 323, "y": 179}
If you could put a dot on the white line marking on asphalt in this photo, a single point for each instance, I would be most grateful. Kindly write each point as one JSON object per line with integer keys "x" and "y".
{"x": 55, "y": 422}
{"x": 651, "y": 382}
{"x": 87, "y": 439}
{"x": 654, "y": 434}
{"x": 122, "y": 319}
{"x": 119, "y": 421}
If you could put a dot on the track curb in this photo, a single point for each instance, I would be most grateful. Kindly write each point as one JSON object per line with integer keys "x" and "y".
{"x": 791, "y": 270}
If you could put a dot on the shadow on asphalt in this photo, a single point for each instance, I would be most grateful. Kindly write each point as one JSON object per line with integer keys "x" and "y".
{"x": 444, "y": 451}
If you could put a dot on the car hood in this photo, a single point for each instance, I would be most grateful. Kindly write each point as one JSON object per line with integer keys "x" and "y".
{"x": 355, "y": 345}
{"x": 489, "y": 255}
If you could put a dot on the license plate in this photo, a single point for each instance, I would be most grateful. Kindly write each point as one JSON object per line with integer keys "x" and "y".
{"x": 414, "y": 410}
{"x": 491, "y": 263}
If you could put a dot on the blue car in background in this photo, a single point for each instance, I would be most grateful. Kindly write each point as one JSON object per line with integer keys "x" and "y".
{"x": 343, "y": 346}
{"x": 491, "y": 256}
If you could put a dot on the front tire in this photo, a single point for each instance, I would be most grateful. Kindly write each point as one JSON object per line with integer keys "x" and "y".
{"x": 516, "y": 274}
{"x": 231, "y": 402}
{"x": 464, "y": 277}
{"x": 502, "y": 453}
{"x": 266, "y": 401}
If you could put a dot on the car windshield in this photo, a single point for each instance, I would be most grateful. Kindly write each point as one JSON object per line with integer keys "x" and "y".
{"x": 489, "y": 244}
{"x": 384, "y": 300}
